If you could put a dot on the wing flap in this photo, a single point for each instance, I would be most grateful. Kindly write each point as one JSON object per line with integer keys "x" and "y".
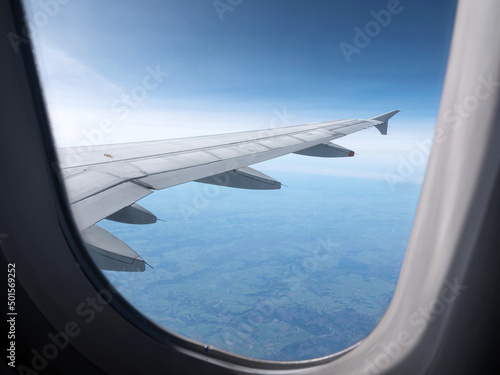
{"x": 313, "y": 135}
{"x": 174, "y": 162}
{"x": 88, "y": 183}
{"x": 90, "y": 210}
{"x": 284, "y": 141}
{"x": 121, "y": 169}
{"x": 229, "y": 152}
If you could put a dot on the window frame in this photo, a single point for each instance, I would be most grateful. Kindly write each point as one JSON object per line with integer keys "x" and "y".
{"x": 449, "y": 241}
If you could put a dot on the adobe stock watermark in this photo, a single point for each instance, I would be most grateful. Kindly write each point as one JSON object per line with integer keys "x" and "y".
{"x": 48, "y": 9}
{"x": 59, "y": 341}
{"x": 122, "y": 107}
{"x": 485, "y": 88}
{"x": 454, "y": 116}
{"x": 241, "y": 334}
{"x": 410, "y": 163}
{"x": 203, "y": 194}
{"x": 420, "y": 319}
{"x": 223, "y": 6}
{"x": 372, "y": 29}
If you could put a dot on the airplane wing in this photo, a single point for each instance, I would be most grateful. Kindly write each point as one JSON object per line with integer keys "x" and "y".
{"x": 105, "y": 181}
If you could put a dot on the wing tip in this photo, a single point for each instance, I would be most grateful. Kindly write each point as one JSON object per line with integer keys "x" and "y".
{"x": 386, "y": 116}
{"x": 384, "y": 121}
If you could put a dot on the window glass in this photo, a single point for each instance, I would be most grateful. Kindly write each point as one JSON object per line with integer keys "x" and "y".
{"x": 289, "y": 274}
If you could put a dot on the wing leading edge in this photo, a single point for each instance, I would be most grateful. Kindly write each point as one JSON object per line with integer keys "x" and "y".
{"x": 105, "y": 181}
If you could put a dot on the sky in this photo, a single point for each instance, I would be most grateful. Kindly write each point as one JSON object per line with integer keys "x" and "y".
{"x": 168, "y": 69}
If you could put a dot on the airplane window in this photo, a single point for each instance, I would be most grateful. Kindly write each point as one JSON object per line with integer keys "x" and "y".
{"x": 295, "y": 258}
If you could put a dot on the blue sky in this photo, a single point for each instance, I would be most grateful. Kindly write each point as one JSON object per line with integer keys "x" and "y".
{"x": 249, "y": 65}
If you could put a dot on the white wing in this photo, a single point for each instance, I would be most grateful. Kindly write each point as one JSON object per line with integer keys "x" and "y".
{"x": 105, "y": 181}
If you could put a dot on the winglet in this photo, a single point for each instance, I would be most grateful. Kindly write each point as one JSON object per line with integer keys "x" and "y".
{"x": 384, "y": 119}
